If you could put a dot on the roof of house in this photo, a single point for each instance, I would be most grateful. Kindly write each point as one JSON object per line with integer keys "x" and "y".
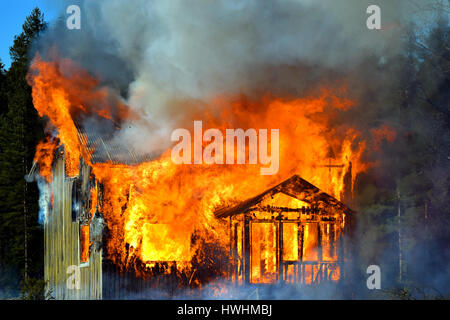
{"x": 295, "y": 187}
{"x": 103, "y": 149}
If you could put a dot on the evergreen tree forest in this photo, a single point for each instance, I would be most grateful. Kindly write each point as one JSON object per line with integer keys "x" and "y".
{"x": 21, "y": 236}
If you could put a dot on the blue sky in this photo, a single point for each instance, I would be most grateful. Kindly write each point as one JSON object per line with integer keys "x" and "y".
{"x": 12, "y": 16}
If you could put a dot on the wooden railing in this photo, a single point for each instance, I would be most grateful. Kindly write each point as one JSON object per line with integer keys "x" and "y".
{"x": 309, "y": 272}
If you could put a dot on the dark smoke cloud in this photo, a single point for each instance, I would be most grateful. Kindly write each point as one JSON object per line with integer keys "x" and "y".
{"x": 158, "y": 52}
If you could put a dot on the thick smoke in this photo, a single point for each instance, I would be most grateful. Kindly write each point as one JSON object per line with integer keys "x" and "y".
{"x": 159, "y": 54}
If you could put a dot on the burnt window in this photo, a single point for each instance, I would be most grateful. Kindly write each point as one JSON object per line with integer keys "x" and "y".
{"x": 290, "y": 241}
{"x": 76, "y": 200}
{"x": 263, "y": 252}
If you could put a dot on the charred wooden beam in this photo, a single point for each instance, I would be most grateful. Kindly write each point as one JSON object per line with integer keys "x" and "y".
{"x": 319, "y": 241}
{"x": 247, "y": 250}
{"x": 280, "y": 246}
{"x": 301, "y": 232}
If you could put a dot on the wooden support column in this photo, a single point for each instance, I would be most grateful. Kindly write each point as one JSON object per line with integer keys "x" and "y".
{"x": 232, "y": 255}
{"x": 319, "y": 251}
{"x": 247, "y": 250}
{"x": 332, "y": 238}
{"x": 319, "y": 241}
{"x": 340, "y": 250}
{"x": 280, "y": 247}
{"x": 236, "y": 257}
{"x": 277, "y": 248}
{"x": 300, "y": 235}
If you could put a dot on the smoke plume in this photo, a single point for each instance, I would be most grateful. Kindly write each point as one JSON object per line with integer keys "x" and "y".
{"x": 161, "y": 54}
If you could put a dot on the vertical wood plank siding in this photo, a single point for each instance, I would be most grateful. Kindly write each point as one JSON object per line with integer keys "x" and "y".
{"x": 62, "y": 242}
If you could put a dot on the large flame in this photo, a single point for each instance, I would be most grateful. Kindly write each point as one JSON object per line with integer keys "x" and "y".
{"x": 154, "y": 209}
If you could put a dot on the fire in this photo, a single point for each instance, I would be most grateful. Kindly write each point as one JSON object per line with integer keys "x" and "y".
{"x": 45, "y": 151}
{"x": 94, "y": 200}
{"x": 160, "y": 211}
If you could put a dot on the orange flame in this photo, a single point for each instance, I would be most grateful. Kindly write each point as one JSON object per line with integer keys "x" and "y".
{"x": 45, "y": 151}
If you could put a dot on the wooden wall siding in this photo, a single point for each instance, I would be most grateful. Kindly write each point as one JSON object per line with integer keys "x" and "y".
{"x": 62, "y": 237}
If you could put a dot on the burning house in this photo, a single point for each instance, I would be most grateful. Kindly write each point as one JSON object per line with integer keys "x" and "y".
{"x": 292, "y": 233}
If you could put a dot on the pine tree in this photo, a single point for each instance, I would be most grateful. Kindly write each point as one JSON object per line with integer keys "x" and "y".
{"x": 3, "y": 102}
{"x": 404, "y": 204}
{"x": 20, "y": 129}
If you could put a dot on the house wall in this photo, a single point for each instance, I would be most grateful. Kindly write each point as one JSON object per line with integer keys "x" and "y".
{"x": 62, "y": 242}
